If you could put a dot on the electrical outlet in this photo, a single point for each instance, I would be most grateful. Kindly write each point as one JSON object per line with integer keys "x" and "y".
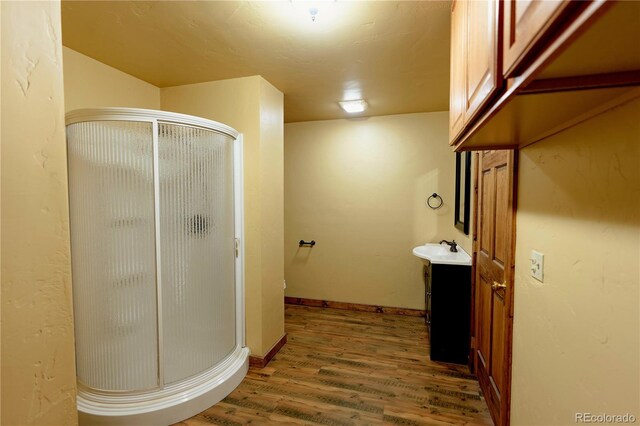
{"x": 537, "y": 265}
{"x": 284, "y": 282}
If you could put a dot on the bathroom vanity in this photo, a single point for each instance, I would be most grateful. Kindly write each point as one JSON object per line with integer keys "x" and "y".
{"x": 447, "y": 278}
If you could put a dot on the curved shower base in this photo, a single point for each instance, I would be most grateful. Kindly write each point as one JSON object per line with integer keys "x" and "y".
{"x": 169, "y": 405}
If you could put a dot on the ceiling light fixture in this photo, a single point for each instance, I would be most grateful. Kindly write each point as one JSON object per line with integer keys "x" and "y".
{"x": 313, "y": 7}
{"x": 352, "y": 107}
{"x": 313, "y": 11}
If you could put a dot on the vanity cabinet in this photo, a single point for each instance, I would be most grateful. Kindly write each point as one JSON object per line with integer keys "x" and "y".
{"x": 522, "y": 70}
{"x": 447, "y": 311}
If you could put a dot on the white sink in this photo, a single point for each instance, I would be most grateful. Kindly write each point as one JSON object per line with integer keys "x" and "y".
{"x": 438, "y": 253}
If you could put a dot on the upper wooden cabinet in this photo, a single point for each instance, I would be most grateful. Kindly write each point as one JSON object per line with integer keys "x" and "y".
{"x": 458, "y": 61}
{"x": 524, "y": 24}
{"x": 524, "y": 69}
{"x": 475, "y": 67}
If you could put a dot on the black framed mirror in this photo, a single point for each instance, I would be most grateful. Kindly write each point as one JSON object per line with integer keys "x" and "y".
{"x": 463, "y": 186}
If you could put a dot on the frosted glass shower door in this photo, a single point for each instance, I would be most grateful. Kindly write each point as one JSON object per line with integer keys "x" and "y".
{"x": 156, "y": 222}
{"x": 113, "y": 254}
{"x": 197, "y": 249}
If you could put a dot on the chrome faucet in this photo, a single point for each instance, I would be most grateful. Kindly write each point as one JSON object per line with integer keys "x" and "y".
{"x": 452, "y": 245}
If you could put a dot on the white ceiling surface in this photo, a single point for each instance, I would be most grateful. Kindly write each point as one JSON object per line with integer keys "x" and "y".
{"x": 394, "y": 54}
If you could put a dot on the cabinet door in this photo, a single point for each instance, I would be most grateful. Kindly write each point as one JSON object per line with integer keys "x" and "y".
{"x": 427, "y": 295}
{"x": 458, "y": 63}
{"x": 483, "y": 74}
{"x": 525, "y": 23}
{"x": 475, "y": 73}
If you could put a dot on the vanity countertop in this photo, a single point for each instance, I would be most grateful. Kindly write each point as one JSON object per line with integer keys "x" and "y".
{"x": 440, "y": 254}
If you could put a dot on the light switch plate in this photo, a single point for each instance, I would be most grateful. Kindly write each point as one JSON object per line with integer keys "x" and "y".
{"x": 537, "y": 265}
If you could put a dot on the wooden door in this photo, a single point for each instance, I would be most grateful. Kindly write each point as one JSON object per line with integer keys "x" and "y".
{"x": 525, "y": 23}
{"x": 494, "y": 279}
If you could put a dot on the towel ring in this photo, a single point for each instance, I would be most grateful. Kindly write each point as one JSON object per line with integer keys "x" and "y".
{"x": 437, "y": 198}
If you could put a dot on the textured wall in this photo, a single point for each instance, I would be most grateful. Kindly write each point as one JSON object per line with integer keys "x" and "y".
{"x": 358, "y": 187}
{"x": 38, "y": 374}
{"x": 254, "y": 108}
{"x": 92, "y": 84}
{"x": 577, "y": 335}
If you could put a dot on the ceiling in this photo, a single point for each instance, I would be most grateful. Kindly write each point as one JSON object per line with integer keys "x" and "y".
{"x": 393, "y": 54}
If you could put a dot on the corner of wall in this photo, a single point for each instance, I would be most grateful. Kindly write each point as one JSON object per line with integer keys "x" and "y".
{"x": 89, "y": 83}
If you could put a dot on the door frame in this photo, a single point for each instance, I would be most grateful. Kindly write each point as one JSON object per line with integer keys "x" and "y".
{"x": 505, "y": 400}
{"x": 238, "y": 193}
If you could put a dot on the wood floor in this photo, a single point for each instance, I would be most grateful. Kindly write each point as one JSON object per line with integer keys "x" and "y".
{"x": 352, "y": 368}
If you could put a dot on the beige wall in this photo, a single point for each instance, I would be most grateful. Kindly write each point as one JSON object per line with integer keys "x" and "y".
{"x": 272, "y": 214}
{"x": 92, "y": 84}
{"x": 38, "y": 375}
{"x": 253, "y": 107}
{"x": 358, "y": 187}
{"x": 577, "y": 335}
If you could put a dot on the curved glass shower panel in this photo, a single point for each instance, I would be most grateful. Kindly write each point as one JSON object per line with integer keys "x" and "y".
{"x": 197, "y": 248}
{"x": 113, "y": 244}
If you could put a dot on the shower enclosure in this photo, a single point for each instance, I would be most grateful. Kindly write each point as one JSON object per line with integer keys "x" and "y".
{"x": 155, "y": 201}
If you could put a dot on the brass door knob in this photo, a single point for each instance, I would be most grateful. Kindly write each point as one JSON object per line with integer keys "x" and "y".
{"x": 496, "y": 285}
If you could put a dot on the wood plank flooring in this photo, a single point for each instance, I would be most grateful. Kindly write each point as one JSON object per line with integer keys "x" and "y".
{"x": 343, "y": 367}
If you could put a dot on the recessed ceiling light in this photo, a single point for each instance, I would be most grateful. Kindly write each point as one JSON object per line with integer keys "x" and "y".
{"x": 352, "y": 107}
